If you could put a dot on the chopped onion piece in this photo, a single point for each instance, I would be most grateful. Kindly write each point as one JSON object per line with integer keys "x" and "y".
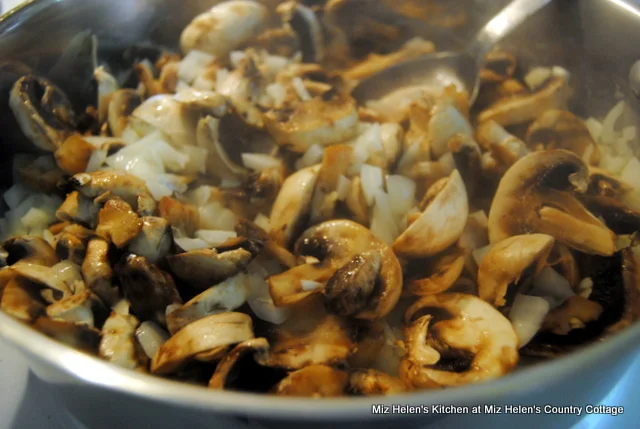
{"x": 189, "y": 244}
{"x": 194, "y": 63}
{"x": 552, "y": 286}
{"x": 96, "y": 160}
{"x": 151, "y": 337}
{"x": 402, "y": 193}
{"x": 122, "y": 307}
{"x": 372, "y": 181}
{"x": 383, "y": 225}
{"x": 263, "y": 222}
{"x": 261, "y": 303}
{"x": 259, "y": 161}
{"x": 585, "y": 287}
{"x": 631, "y": 173}
{"x": 537, "y": 76}
{"x": 298, "y": 85}
{"x": 630, "y": 133}
{"x": 343, "y": 187}
{"x": 215, "y": 238}
{"x": 236, "y": 57}
{"x": 278, "y": 93}
{"x": 612, "y": 163}
{"x": 312, "y": 156}
{"x": 608, "y": 134}
{"x": 310, "y": 285}
{"x": 448, "y": 163}
{"x": 526, "y": 315}
{"x": 479, "y": 254}
{"x": 595, "y": 128}
{"x": 16, "y": 195}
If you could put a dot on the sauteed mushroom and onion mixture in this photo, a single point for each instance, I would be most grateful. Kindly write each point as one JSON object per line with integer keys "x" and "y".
{"x": 229, "y": 216}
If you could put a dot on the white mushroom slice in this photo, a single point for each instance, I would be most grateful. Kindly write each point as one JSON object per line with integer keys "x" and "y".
{"x": 506, "y": 263}
{"x": 528, "y": 201}
{"x": 224, "y": 297}
{"x": 292, "y": 205}
{"x": 154, "y": 240}
{"x": 150, "y": 337}
{"x": 243, "y": 368}
{"x": 119, "y": 344}
{"x": 97, "y": 272}
{"x": 353, "y": 263}
{"x": 201, "y": 336}
{"x": 80, "y": 337}
{"x": 522, "y": 108}
{"x": 29, "y": 250}
{"x": 118, "y": 183}
{"x": 202, "y": 268}
{"x": 310, "y": 336}
{"x": 370, "y": 382}
{"x": 316, "y": 121}
{"x": 441, "y": 223}
{"x": 78, "y": 308}
{"x": 149, "y": 289}
{"x": 441, "y": 273}
{"x": 43, "y": 276}
{"x": 559, "y": 129}
{"x": 314, "y": 381}
{"x": 224, "y": 28}
{"x": 460, "y": 340}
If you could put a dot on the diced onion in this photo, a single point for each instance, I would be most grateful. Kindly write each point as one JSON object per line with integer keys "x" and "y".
{"x": 479, "y": 254}
{"x": 215, "y": 238}
{"x": 585, "y": 287}
{"x": 298, "y": 85}
{"x": 310, "y": 285}
{"x": 526, "y": 315}
{"x": 236, "y": 57}
{"x": 151, "y": 337}
{"x": 261, "y": 303}
{"x": 259, "y": 161}
{"x": 608, "y": 133}
{"x": 537, "y": 76}
{"x": 631, "y": 173}
{"x": 401, "y": 192}
{"x": 372, "y": 181}
{"x": 312, "y": 156}
{"x": 552, "y": 286}
{"x": 383, "y": 225}
{"x": 278, "y": 93}
{"x": 595, "y": 128}
{"x": 263, "y": 222}
{"x": 189, "y": 244}
{"x": 343, "y": 187}
{"x": 194, "y": 63}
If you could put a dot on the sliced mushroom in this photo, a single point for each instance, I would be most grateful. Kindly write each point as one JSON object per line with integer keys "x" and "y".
{"x": 82, "y": 308}
{"x": 225, "y": 27}
{"x": 468, "y": 161}
{"x": 363, "y": 276}
{"x": 442, "y": 272}
{"x": 251, "y": 231}
{"x": 119, "y": 345}
{"x": 118, "y": 223}
{"x": 369, "y": 382}
{"x": 605, "y": 184}
{"x": 97, "y": 272}
{"x": 507, "y": 262}
{"x": 303, "y": 20}
{"x": 224, "y": 297}
{"x": 206, "y": 267}
{"x": 21, "y": 300}
{"x": 559, "y": 129}
{"x": 154, "y": 240}
{"x": 243, "y": 369}
{"x": 29, "y": 250}
{"x": 43, "y": 112}
{"x": 538, "y": 194}
{"x": 77, "y": 208}
{"x": 121, "y": 107}
{"x": 455, "y": 339}
{"x": 499, "y": 66}
{"x": 71, "y": 243}
{"x": 184, "y": 217}
{"x": 617, "y": 216}
{"x": 370, "y": 339}
{"x": 293, "y": 205}
{"x": 123, "y": 185}
{"x": 73, "y": 154}
{"x": 442, "y": 222}
{"x": 314, "y": 381}
{"x": 310, "y": 336}
{"x": 323, "y": 120}
{"x": 149, "y": 289}
{"x": 503, "y": 146}
{"x": 205, "y": 335}
{"x": 44, "y": 276}
{"x": 522, "y": 108}
{"x": 80, "y": 337}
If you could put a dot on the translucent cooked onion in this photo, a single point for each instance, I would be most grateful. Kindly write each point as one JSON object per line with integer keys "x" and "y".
{"x": 372, "y": 182}
{"x": 401, "y": 192}
{"x": 526, "y": 315}
{"x": 259, "y": 161}
{"x": 189, "y": 244}
{"x": 151, "y": 337}
{"x": 552, "y": 286}
{"x": 261, "y": 303}
{"x": 215, "y": 238}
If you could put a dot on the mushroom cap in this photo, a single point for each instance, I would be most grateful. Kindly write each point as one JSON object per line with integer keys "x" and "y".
{"x": 506, "y": 263}
{"x": 337, "y": 244}
{"x": 455, "y": 339}
{"x": 441, "y": 223}
{"x": 537, "y": 194}
{"x": 441, "y": 271}
{"x": 204, "y": 335}
{"x": 29, "y": 250}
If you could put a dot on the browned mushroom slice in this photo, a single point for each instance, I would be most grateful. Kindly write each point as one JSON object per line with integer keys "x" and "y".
{"x": 82, "y": 308}
{"x": 221, "y": 298}
{"x": 441, "y": 272}
{"x": 310, "y": 336}
{"x": 44, "y": 276}
{"x": 538, "y": 194}
{"x": 559, "y": 129}
{"x": 118, "y": 223}
{"x": 526, "y": 107}
{"x": 506, "y": 263}
{"x": 77, "y": 208}
{"x": 455, "y": 339}
{"x": 468, "y": 160}
{"x": 119, "y": 344}
{"x": 363, "y": 276}
{"x": 97, "y": 272}
{"x": 492, "y": 92}
{"x": 118, "y": 183}
{"x": 80, "y": 337}
{"x": 73, "y": 154}
{"x": 617, "y": 216}
{"x": 29, "y": 250}
{"x": 606, "y": 184}
{"x": 243, "y": 369}
{"x": 149, "y": 289}
{"x": 202, "y": 268}
{"x": 123, "y": 103}
{"x": 369, "y": 382}
{"x": 370, "y": 338}
{"x": 71, "y": 243}
{"x": 154, "y": 241}
{"x": 21, "y": 299}
{"x": 499, "y": 66}
{"x": 445, "y": 212}
{"x": 314, "y": 381}
{"x": 184, "y": 217}
{"x": 245, "y": 228}
{"x": 293, "y": 205}
{"x": 204, "y": 335}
